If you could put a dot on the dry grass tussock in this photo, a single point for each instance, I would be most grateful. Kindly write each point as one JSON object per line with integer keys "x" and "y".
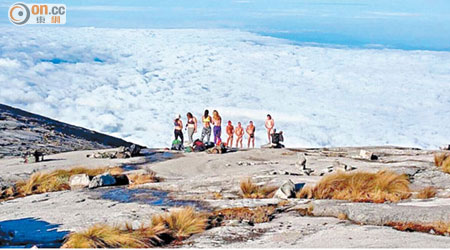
{"x": 163, "y": 229}
{"x": 57, "y": 180}
{"x": 105, "y": 236}
{"x": 439, "y": 227}
{"x": 251, "y": 190}
{"x": 442, "y": 160}
{"x": 255, "y": 215}
{"x": 360, "y": 187}
{"x": 182, "y": 223}
{"x": 137, "y": 179}
{"x": 426, "y": 193}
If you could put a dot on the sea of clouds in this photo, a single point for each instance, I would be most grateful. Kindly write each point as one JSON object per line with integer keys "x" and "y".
{"x": 131, "y": 83}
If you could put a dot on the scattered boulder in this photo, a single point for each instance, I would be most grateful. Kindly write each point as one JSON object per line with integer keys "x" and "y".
{"x": 286, "y": 191}
{"x": 301, "y": 162}
{"x": 135, "y": 150}
{"x": 79, "y": 181}
{"x": 121, "y": 153}
{"x": 367, "y": 155}
{"x": 102, "y": 180}
{"x": 341, "y": 166}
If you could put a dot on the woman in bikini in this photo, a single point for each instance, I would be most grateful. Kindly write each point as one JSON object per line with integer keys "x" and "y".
{"x": 191, "y": 126}
{"x": 217, "y": 122}
{"x": 178, "y": 128}
{"x": 206, "y": 131}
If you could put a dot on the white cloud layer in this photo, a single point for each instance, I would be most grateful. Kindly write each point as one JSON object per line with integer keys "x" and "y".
{"x": 131, "y": 83}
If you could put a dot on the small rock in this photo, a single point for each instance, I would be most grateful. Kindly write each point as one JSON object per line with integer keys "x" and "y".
{"x": 301, "y": 162}
{"x": 79, "y": 181}
{"x": 367, "y": 155}
{"x": 102, "y": 180}
{"x": 286, "y": 191}
{"x": 349, "y": 168}
{"x": 445, "y": 147}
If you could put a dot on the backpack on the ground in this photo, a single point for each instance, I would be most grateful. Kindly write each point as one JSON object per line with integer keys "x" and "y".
{"x": 177, "y": 145}
{"x": 209, "y": 145}
{"x": 199, "y": 146}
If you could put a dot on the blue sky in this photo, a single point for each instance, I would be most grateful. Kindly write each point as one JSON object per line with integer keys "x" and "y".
{"x": 413, "y": 24}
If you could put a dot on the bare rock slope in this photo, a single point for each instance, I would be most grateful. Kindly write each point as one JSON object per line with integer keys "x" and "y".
{"x": 22, "y": 132}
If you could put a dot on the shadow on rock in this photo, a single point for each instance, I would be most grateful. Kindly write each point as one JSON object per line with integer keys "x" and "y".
{"x": 28, "y": 232}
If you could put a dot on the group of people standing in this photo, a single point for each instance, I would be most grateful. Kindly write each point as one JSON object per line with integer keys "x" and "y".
{"x": 216, "y": 122}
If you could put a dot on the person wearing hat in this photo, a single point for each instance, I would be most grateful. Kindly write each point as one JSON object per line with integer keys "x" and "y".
{"x": 178, "y": 128}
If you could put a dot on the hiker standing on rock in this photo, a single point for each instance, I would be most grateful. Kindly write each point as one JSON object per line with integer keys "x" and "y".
{"x": 251, "y": 134}
{"x": 206, "y": 131}
{"x": 230, "y": 132}
{"x": 239, "y": 131}
{"x": 217, "y": 122}
{"x": 178, "y": 128}
{"x": 191, "y": 126}
{"x": 270, "y": 124}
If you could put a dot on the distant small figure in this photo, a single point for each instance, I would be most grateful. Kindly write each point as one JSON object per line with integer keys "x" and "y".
{"x": 270, "y": 124}
{"x": 230, "y": 133}
{"x": 206, "y": 131}
{"x": 191, "y": 126}
{"x": 178, "y": 128}
{"x": 251, "y": 134}
{"x": 277, "y": 139}
{"x": 217, "y": 121}
{"x": 239, "y": 131}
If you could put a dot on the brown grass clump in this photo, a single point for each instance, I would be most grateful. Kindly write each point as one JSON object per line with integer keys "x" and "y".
{"x": 176, "y": 225}
{"x": 105, "y": 236}
{"x": 306, "y": 211}
{"x": 442, "y": 161}
{"x": 342, "y": 216}
{"x": 439, "y": 228}
{"x": 426, "y": 193}
{"x": 360, "y": 187}
{"x": 439, "y": 158}
{"x": 251, "y": 190}
{"x": 57, "y": 180}
{"x": 254, "y": 215}
{"x": 217, "y": 195}
{"x": 182, "y": 223}
{"x": 305, "y": 192}
{"x": 137, "y": 179}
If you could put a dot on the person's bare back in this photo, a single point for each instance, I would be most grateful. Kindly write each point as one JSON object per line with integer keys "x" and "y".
{"x": 230, "y": 132}
{"x": 239, "y": 131}
{"x": 251, "y": 134}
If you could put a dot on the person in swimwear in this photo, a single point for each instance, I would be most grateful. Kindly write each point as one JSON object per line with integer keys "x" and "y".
{"x": 217, "y": 122}
{"x": 191, "y": 126}
{"x": 239, "y": 131}
{"x": 178, "y": 128}
{"x": 270, "y": 124}
{"x": 230, "y": 132}
{"x": 206, "y": 131}
{"x": 251, "y": 134}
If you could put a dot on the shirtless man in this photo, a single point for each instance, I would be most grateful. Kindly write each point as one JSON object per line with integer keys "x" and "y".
{"x": 251, "y": 134}
{"x": 270, "y": 124}
{"x": 239, "y": 131}
{"x": 230, "y": 132}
